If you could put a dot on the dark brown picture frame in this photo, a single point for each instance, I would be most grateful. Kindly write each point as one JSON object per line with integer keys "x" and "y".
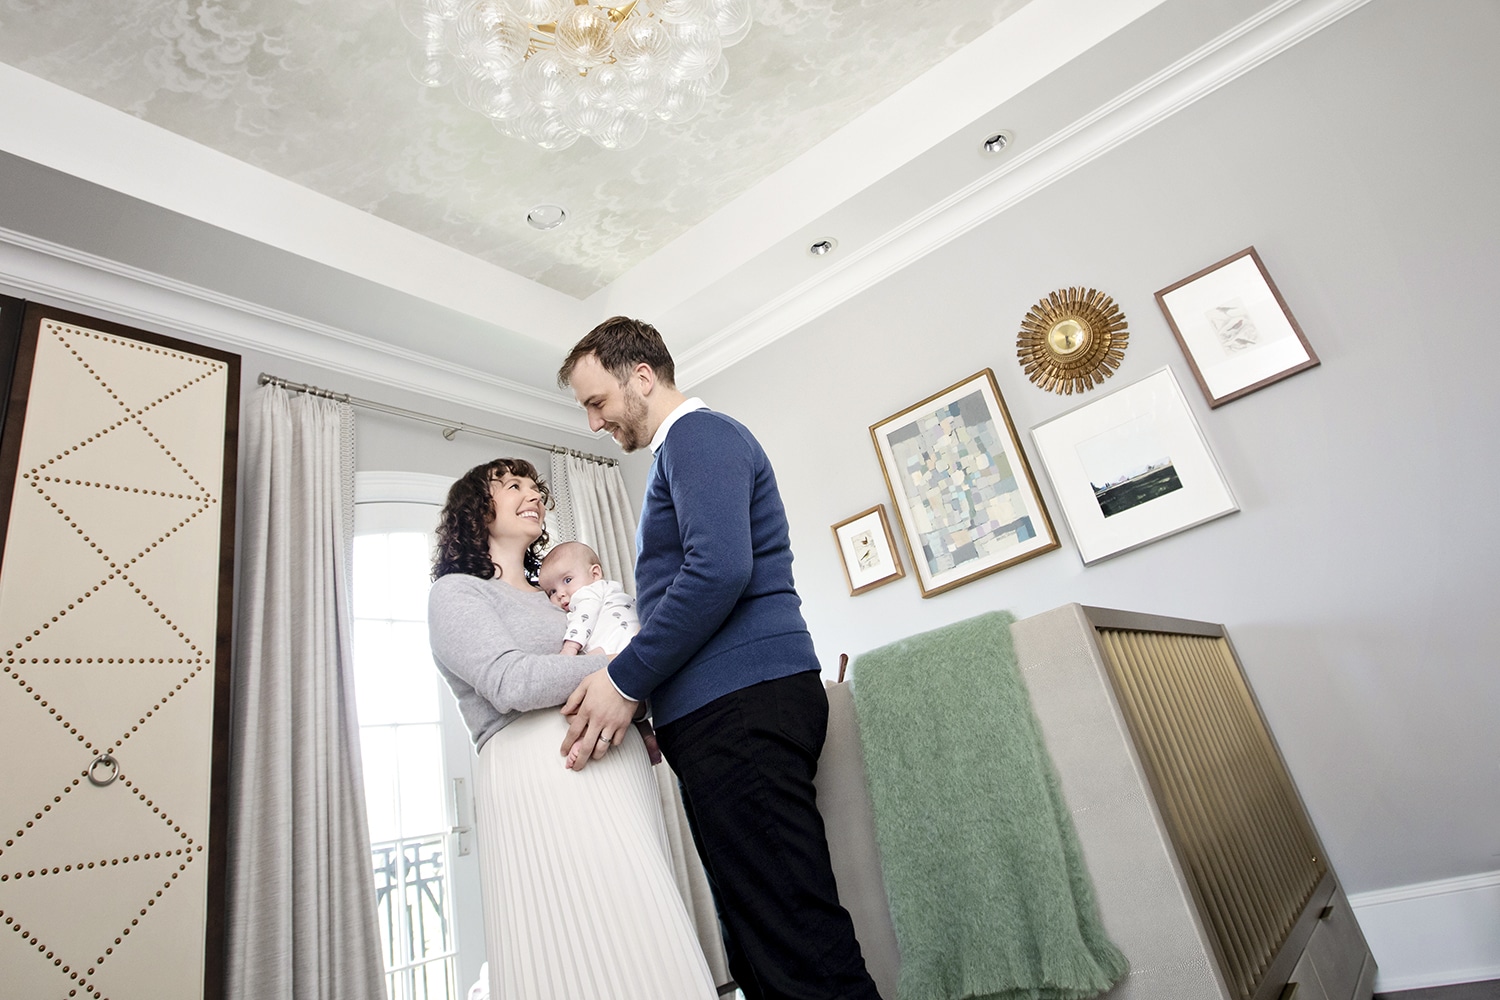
{"x": 1246, "y": 338}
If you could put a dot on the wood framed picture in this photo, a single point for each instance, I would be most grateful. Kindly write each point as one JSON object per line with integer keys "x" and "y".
{"x": 964, "y": 494}
{"x": 1131, "y": 467}
{"x": 868, "y": 550}
{"x": 1235, "y": 328}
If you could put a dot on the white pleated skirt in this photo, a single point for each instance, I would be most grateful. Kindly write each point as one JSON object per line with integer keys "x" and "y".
{"x": 580, "y": 900}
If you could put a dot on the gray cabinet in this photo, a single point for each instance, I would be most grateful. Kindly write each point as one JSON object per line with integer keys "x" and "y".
{"x": 1340, "y": 960}
{"x": 1208, "y": 872}
{"x": 1303, "y": 984}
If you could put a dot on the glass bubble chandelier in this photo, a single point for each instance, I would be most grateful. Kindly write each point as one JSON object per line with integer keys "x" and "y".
{"x": 549, "y": 71}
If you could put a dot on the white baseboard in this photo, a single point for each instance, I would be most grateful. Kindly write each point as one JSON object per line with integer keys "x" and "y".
{"x": 1434, "y": 933}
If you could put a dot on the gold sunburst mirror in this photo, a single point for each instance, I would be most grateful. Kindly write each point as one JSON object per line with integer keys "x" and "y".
{"x": 1072, "y": 340}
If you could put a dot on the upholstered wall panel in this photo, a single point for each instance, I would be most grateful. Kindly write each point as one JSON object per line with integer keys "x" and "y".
{"x": 114, "y": 598}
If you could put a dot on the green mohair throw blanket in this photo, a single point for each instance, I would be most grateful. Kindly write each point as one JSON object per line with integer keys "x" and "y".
{"x": 988, "y": 890}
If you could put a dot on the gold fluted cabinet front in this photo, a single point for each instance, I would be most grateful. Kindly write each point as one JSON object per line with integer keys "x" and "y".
{"x": 1208, "y": 871}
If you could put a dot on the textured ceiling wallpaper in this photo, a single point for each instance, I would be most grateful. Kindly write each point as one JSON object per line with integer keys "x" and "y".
{"x": 318, "y": 92}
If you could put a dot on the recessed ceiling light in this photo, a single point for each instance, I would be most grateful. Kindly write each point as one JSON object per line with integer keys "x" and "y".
{"x": 546, "y": 217}
{"x": 997, "y": 142}
{"x": 822, "y": 247}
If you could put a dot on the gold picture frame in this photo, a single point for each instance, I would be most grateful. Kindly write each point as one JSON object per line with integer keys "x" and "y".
{"x": 964, "y": 494}
{"x": 867, "y": 550}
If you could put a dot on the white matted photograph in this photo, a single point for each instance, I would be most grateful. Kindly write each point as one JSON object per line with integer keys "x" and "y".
{"x": 868, "y": 550}
{"x": 1235, "y": 328}
{"x": 1131, "y": 467}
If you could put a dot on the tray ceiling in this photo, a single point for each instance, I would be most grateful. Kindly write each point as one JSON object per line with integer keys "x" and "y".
{"x": 276, "y": 158}
{"x": 320, "y": 95}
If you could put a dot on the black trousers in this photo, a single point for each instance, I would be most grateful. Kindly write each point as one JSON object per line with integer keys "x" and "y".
{"x": 746, "y": 763}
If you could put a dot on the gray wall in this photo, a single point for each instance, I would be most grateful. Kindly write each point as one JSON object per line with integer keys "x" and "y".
{"x": 1358, "y": 579}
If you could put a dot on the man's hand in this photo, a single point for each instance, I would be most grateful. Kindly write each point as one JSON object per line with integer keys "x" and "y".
{"x": 599, "y": 716}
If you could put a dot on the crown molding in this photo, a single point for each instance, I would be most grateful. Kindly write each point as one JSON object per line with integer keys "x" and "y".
{"x": 70, "y": 278}
{"x": 1277, "y": 28}
{"x": 1030, "y": 43}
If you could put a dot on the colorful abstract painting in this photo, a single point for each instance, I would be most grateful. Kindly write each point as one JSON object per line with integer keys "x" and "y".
{"x": 964, "y": 498}
{"x": 967, "y": 501}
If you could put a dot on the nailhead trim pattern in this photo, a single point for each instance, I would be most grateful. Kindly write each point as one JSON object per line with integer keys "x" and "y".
{"x": 36, "y": 676}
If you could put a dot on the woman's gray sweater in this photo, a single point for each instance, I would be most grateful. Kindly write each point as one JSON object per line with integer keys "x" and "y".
{"x": 497, "y": 647}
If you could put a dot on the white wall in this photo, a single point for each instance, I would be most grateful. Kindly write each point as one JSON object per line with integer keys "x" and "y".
{"x": 1358, "y": 580}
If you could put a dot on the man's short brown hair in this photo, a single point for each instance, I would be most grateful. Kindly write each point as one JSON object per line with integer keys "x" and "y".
{"x": 620, "y": 343}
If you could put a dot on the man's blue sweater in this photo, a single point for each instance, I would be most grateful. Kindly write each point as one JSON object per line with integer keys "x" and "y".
{"x": 719, "y": 611}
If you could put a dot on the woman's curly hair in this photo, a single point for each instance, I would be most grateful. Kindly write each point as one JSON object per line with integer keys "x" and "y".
{"x": 463, "y": 533}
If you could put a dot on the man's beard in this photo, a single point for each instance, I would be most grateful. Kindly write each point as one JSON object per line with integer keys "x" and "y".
{"x": 632, "y": 425}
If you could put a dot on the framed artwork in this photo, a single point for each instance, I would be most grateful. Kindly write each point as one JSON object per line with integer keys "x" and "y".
{"x": 868, "y": 549}
{"x": 1235, "y": 328}
{"x": 1131, "y": 467}
{"x": 963, "y": 492}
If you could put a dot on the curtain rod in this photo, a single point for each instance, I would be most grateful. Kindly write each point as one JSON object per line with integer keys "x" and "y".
{"x": 450, "y": 427}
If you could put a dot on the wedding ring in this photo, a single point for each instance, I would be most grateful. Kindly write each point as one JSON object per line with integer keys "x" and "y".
{"x": 604, "y": 738}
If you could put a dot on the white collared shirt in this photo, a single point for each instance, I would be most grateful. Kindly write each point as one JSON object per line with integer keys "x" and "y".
{"x": 685, "y": 407}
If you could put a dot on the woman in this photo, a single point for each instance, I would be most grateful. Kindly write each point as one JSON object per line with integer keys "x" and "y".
{"x": 579, "y": 898}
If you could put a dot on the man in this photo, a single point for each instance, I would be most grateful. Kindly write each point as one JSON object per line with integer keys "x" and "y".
{"x": 727, "y": 661}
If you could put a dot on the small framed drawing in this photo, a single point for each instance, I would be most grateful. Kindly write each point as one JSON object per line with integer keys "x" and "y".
{"x": 1235, "y": 328}
{"x": 963, "y": 491}
{"x": 869, "y": 550}
{"x": 1131, "y": 467}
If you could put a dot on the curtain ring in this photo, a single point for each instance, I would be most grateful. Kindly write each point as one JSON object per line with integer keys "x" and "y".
{"x": 104, "y": 769}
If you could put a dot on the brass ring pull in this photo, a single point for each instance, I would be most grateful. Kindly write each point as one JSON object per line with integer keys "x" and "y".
{"x": 104, "y": 769}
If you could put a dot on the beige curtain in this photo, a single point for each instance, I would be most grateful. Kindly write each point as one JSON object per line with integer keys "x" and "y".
{"x": 301, "y": 898}
{"x": 591, "y": 506}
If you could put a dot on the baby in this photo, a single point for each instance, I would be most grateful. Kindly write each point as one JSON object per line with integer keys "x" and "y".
{"x": 600, "y": 614}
